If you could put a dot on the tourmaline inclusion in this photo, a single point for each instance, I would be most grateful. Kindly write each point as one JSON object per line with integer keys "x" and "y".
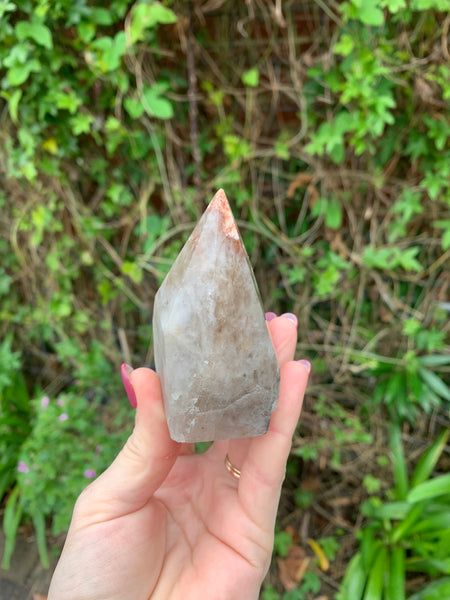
{"x": 213, "y": 353}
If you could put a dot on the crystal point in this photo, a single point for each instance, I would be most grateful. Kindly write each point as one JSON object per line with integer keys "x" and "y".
{"x": 213, "y": 353}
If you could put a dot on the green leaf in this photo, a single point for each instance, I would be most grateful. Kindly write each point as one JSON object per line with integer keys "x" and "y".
{"x": 371, "y": 483}
{"x": 134, "y": 107}
{"x": 250, "y": 78}
{"x": 375, "y": 582}
{"x": 432, "y": 566}
{"x": 345, "y": 45}
{"x": 281, "y": 149}
{"x": 147, "y": 16}
{"x": 435, "y": 383}
{"x": 445, "y": 225}
{"x": 133, "y": 271}
{"x": 434, "y": 360}
{"x": 331, "y": 210}
{"x": 81, "y": 123}
{"x": 398, "y": 462}
{"x": 369, "y": 546}
{"x": 434, "y": 523}
{"x": 39, "y": 526}
{"x": 407, "y": 260}
{"x": 368, "y": 12}
{"x": 428, "y": 460}
{"x": 393, "y": 6}
{"x": 436, "y": 590}
{"x": 6, "y": 6}
{"x": 395, "y": 589}
{"x": 101, "y": 16}
{"x": 443, "y": 5}
{"x": 389, "y": 510}
{"x": 282, "y": 541}
{"x": 11, "y": 521}
{"x": 352, "y": 586}
{"x": 155, "y": 104}
{"x": 430, "y": 489}
{"x": 38, "y": 32}
{"x": 18, "y": 74}
{"x": 402, "y": 528}
{"x": 333, "y": 214}
{"x": 13, "y": 103}
{"x": 270, "y": 593}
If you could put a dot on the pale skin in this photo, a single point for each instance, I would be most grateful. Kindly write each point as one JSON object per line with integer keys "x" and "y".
{"x": 164, "y": 524}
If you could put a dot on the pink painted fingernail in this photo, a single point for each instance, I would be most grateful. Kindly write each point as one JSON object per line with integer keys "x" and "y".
{"x": 306, "y": 364}
{"x": 126, "y": 371}
{"x": 270, "y": 316}
{"x": 290, "y": 316}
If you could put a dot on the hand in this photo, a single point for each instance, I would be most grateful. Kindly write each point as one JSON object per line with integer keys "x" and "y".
{"x": 164, "y": 524}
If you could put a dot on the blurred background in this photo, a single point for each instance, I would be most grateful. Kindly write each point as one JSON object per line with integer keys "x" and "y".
{"x": 327, "y": 123}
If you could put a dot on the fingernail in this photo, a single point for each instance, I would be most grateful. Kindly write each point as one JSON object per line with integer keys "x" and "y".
{"x": 306, "y": 364}
{"x": 290, "y": 316}
{"x": 270, "y": 316}
{"x": 126, "y": 371}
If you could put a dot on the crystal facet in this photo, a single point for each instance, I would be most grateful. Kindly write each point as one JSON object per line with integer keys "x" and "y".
{"x": 213, "y": 353}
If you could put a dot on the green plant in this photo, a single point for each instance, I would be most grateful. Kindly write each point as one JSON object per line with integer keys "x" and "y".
{"x": 281, "y": 543}
{"x": 336, "y": 162}
{"x": 412, "y": 382}
{"x": 67, "y": 446}
{"x": 408, "y": 532}
{"x": 14, "y": 413}
{"x": 310, "y": 584}
{"x": 345, "y": 429}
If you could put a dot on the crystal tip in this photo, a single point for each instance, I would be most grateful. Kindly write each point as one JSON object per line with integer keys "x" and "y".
{"x": 221, "y": 204}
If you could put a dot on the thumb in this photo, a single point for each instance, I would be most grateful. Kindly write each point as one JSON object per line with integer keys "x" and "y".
{"x": 147, "y": 457}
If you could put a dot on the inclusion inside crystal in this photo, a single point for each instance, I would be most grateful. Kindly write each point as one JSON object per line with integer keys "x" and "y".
{"x": 213, "y": 353}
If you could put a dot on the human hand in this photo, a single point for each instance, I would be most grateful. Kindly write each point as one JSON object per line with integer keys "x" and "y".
{"x": 164, "y": 524}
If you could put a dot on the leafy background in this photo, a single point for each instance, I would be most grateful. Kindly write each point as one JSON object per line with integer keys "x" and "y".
{"x": 328, "y": 126}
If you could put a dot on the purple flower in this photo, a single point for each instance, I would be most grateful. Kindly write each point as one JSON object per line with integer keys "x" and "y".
{"x": 90, "y": 473}
{"x": 63, "y": 417}
{"x": 45, "y": 402}
{"x": 60, "y": 402}
{"x": 22, "y": 467}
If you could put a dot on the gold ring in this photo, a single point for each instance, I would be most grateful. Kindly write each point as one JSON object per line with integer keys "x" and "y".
{"x": 234, "y": 471}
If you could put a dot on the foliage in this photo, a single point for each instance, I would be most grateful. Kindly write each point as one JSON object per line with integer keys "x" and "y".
{"x": 408, "y": 532}
{"x": 68, "y": 446}
{"x": 14, "y": 413}
{"x": 310, "y": 583}
{"x": 345, "y": 430}
{"x": 410, "y": 383}
{"x": 326, "y": 123}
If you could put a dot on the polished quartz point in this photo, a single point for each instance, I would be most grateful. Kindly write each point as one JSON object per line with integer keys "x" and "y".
{"x": 213, "y": 353}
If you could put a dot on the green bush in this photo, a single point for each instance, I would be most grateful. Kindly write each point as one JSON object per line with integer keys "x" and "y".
{"x": 409, "y": 532}
{"x": 69, "y": 444}
{"x": 326, "y": 123}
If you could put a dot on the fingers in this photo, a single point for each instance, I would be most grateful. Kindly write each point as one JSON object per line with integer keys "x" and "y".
{"x": 147, "y": 457}
{"x": 263, "y": 470}
{"x": 283, "y": 332}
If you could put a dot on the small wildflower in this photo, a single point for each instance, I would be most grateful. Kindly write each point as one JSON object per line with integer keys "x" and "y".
{"x": 90, "y": 473}
{"x": 60, "y": 402}
{"x": 63, "y": 417}
{"x": 98, "y": 449}
{"x": 22, "y": 467}
{"x": 45, "y": 402}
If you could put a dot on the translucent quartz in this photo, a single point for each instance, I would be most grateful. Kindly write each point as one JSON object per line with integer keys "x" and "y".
{"x": 213, "y": 353}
